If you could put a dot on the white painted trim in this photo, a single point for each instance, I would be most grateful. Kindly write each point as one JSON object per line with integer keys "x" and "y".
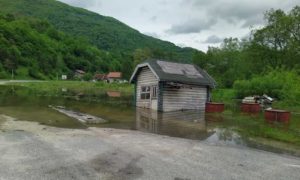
{"x": 140, "y": 66}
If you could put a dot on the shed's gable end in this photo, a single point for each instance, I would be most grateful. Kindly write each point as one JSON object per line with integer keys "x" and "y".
{"x": 138, "y": 69}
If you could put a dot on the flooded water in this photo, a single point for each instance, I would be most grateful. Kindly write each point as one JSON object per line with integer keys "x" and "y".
{"x": 229, "y": 128}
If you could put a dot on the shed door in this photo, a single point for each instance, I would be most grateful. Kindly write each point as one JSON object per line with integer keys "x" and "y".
{"x": 153, "y": 99}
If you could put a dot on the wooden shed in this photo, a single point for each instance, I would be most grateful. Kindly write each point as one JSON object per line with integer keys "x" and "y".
{"x": 169, "y": 86}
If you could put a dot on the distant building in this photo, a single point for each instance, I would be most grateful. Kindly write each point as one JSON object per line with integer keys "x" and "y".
{"x": 64, "y": 77}
{"x": 79, "y": 73}
{"x": 100, "y": 77}
{"x": 169, "y": 86}
{"x": 114, "y": 77}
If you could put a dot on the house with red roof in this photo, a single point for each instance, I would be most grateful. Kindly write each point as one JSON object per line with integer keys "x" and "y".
{"x": 114, "y": 77}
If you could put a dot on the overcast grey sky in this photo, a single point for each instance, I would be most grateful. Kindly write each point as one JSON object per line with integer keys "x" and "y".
{"x": 193, "y": 23}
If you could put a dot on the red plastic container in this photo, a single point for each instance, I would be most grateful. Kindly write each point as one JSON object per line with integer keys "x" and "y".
{"x": 212, "y": 107}
{"x": 277, "y": 115}
{"x": 250, "y": 107}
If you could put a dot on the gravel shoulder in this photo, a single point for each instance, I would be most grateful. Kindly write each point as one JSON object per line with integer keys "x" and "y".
{"x": 32, "y": 151}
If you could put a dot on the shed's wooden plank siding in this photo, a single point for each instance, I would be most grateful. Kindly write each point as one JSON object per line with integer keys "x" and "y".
{"x": 160, "y": 96}
{"x": 145, "y": 78}
{"x": 186, "y": 97}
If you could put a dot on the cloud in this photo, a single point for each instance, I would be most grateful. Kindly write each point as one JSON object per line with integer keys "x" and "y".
{"x": 143, "y": 10}
{"x": 153, "y": 18}
{"x": 213, "y": 39}
{"x": 245, "y": 13}
{"x": 234, "y": 13}
{"x": 81, "y": 3}
{"x": 189, "y": 22}
{"x": 249, "y": 23}
{"x": 163, "y": 2}
{"x": 152, "y": 34}
{"x": 191, "y": 26}
{"x": 181, "y": 45}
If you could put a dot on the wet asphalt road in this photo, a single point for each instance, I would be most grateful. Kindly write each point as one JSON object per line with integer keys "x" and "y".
{"x": 32, "y": 151}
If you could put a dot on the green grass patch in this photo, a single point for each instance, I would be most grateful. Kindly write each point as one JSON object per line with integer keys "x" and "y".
{"x": 57, "y": 88}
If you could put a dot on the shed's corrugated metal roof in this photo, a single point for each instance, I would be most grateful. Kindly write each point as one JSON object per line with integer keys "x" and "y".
{"x": 177, "y": 72}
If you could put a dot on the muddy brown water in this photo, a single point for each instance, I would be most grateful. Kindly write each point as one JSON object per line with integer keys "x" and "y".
{"x": 221, "y": 129}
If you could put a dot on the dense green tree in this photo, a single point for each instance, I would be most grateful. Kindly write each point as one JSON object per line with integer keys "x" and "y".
{"x": 141, "y": 55}
{"x": 225, "y": 63}
{"x": 36, "y": 46}
{"x": 277, "y": 44}
{"x": 274, "y": 46}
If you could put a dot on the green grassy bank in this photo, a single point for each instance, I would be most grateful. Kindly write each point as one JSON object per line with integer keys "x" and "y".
{"x": 56, "y": 88}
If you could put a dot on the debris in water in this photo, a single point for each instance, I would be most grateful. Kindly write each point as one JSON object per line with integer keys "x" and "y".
{"x": 82, "y": 117}
{"x": 265, "y": 101}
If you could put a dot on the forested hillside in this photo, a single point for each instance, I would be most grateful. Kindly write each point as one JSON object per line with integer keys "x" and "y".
{"x": 104, "y": 32}
{"x": 33, "y": 48}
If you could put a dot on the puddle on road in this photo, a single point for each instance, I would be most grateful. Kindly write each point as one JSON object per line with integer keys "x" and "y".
{"x": 229, "y": 128}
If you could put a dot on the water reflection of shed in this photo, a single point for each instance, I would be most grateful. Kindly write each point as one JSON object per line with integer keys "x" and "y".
{"x": 187, "y": 124}
{"x": 168, "y": 86}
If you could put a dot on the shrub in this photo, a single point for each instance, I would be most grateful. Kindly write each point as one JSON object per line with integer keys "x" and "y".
{"x": 87, "y": 77}
{"x": 283, "y": 85}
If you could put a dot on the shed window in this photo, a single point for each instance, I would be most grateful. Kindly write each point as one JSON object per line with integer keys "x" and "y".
{"x": 145, "y": 92}
{"x": 154, "y": 92}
